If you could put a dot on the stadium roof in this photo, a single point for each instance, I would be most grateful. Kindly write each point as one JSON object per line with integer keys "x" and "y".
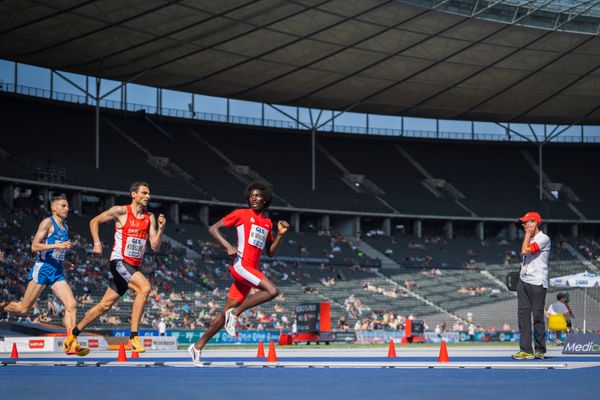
{"x": 534, "y": 61}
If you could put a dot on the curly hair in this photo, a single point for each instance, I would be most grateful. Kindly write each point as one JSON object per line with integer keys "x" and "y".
{"x": 266, "y": 192}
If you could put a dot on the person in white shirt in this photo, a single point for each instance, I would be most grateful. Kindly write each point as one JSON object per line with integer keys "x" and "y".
{"x": 162, "y": 327}
{"x": 532, "y": 287}
{"x": 559, "y": 307}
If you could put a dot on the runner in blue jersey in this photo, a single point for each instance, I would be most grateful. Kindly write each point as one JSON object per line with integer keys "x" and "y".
{"x": 51, "y": 243}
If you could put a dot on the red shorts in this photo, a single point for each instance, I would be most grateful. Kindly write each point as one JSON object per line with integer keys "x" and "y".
{"x": 244, "y": 279}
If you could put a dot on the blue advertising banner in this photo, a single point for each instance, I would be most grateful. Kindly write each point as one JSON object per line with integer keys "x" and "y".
{"x": 143, "y": 332}
{"x": 582, "y": 343}
{"x": 490, "y": 337}
{"x": 448, "y": 337}
{"x": 244, "y": 337}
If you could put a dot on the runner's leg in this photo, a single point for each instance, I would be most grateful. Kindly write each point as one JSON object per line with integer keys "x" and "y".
{"x": 31, "y": 295}
{"x": 141, "y": 286}
{"x": 267, "y": 291}
{"x": 216, "y": 324}
{"x": 64, "y": 293}
{"x": 109, "y": 299}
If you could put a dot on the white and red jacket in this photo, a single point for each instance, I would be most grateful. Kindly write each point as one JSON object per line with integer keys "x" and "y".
{"x": 130, "y": 239}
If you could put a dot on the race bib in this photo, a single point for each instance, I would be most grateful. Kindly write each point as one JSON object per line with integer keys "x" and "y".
{"x": 258, "y": 236}
{"x": 134, "y": 247}
{"x": 59, "y": 254}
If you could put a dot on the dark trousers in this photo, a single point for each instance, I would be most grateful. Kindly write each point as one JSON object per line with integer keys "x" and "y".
{"x": 530, "y": 300}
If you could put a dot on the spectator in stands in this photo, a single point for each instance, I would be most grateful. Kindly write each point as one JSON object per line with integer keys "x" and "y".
{"x": 532, "y": 287}
{"x": 329, "y": 281}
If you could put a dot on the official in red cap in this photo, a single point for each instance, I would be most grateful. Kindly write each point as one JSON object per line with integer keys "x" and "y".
{"x": 532, "y": 287}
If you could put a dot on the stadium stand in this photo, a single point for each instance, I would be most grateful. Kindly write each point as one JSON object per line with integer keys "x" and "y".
{"x": 212, "y": 162}
{"x": 187, "y": 292}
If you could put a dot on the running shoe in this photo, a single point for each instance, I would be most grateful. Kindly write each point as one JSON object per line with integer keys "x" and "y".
{"x": 196, "y": 354}
{"x": 230, "y": 323}
{"x": 71, "y": 347}
{"x": 69, "y": 342}
{"x": 523, "y": 355}
{"x": 538, "y": 355}
{"x": 136, "y": 345}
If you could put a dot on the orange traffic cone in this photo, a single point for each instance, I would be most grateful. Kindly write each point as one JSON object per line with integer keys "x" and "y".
{"x": 122, "y": 356}
{"x": 443, "y": 357}
{"x": 134, "y": 354}
{"x": 14, "y": 354}
{"x": 392, "y": 349}
{"x": 272, "y": 356}
{"x": 261, "y": 350}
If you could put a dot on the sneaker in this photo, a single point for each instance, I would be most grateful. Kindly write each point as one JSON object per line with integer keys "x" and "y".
{"x": 196, "y": 354}
{"x": 68, "y": 343}
{"x": 71, "y": 347}
{"x": 230, "y": 323}
{"x": 136, "y": 345}
{"x": 538, "y": 355}
{"x": 522, "y": 355}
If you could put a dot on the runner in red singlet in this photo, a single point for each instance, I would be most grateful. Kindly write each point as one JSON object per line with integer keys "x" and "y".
{"x": 254, "y": 233}
{"x": 134, "y": 225}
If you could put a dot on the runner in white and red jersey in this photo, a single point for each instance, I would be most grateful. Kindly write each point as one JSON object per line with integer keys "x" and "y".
{"x": 254, "y": 234}
{"x": 134, "y": 226}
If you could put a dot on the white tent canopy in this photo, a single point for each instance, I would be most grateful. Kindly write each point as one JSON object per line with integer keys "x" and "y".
{"x": 581, "y": 280}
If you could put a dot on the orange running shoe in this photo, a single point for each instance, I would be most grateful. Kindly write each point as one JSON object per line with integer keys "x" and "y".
{"x": 136, "y": 345}
{"x": 71, "y": 347}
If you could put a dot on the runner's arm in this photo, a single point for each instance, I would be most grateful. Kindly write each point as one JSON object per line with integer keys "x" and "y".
{"x": 282, "y": 228}
{"x": 111, "y": 214}
{"x": 215, "y": 233}
{"x": 157, "y": 227}
{"x": 42, "y": 233}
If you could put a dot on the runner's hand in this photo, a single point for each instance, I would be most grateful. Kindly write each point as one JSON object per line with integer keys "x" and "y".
{"x": 282, "y": 227}
{"x": 64, "y": 245}
{"x": 232, "y": 251}
{"x": 69, "y": 265}
{"x": 97, "y": 248}
{"x": 162, "y": 220}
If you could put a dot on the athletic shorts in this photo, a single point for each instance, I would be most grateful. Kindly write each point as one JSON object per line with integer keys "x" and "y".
{"x": 120, "y": 275}
{"x": 244, "y": 279}
{"x": 46, "y": 274}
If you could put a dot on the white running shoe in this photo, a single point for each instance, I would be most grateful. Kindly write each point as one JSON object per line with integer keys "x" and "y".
{"x": 230, "y": 323}
{"x": 196, "y": 354}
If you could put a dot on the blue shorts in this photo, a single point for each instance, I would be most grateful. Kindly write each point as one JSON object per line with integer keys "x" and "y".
{"x": 46, "y": 274}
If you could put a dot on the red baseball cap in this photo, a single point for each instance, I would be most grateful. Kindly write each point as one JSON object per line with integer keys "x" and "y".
{"x": 531, "y": 216}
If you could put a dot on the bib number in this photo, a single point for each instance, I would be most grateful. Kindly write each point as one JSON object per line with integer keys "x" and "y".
{"x": 59, "y": 254}
{"x": 134, "y": 247}
{"x": 258, "y": 236}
